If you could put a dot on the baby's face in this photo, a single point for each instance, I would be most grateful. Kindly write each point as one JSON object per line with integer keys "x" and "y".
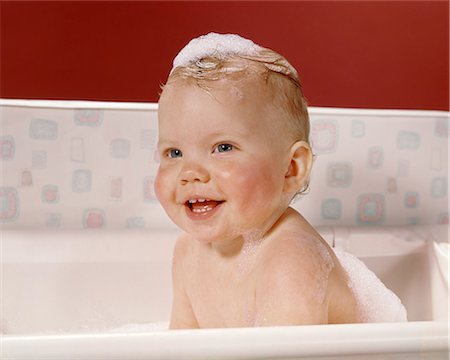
{"x": 223, "y": 160}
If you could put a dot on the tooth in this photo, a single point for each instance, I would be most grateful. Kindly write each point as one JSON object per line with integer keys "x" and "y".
{"x": 192, "y": 201}
{"x": 201, "y": 200}
{"x": 203, "y": 210}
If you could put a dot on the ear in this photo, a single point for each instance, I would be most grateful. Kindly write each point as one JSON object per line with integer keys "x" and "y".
{"x": 300, "y": 163}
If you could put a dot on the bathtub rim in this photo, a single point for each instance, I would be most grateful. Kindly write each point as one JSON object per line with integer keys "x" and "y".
{"x": 89, "y": 104}
{"x": 236, "y": 343}
{"x": 14, "y": 242}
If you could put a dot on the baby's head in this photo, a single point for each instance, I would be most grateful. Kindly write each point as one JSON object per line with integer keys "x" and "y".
{"x": 232, "y": 121}
{"x": 213, "y": 57}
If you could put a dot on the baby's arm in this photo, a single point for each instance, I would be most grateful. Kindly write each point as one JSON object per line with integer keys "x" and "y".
{"x": 182, "y": 316}
{"x": 293, "y": 287}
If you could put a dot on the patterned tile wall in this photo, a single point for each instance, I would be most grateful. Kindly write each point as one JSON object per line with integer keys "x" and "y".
{"x": 378, "y": 170}
{"x": 74, "y": 168}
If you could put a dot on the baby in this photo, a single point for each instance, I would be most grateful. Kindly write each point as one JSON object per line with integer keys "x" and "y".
{"x": 234, "y": 152}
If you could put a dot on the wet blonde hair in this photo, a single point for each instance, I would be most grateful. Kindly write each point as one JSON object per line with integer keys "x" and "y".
{"x": 281, "y": 78}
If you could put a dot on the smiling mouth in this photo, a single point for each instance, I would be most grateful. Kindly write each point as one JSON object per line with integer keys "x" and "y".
{"x": 202, "y": 206}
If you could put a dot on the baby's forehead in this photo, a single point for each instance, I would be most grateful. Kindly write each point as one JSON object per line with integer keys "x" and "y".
{"x": 242, "y": 102}
{"x": 239, "y": 86}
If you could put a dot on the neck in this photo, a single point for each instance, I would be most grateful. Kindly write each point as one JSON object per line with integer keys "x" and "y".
{"x": 227, "y": 249}
{"x": 247, "y": 239}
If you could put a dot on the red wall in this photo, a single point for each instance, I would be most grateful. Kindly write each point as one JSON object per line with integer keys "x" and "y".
{"x": 374, "y": 54}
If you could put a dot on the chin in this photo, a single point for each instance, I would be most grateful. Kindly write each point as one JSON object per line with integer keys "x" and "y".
{"x": 203, "y": 237}
{"x": 206, "y": 236}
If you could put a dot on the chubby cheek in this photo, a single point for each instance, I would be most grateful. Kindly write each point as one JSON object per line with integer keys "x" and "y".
{"x": 253, "y": 187}
{"x": 162, "y": 189}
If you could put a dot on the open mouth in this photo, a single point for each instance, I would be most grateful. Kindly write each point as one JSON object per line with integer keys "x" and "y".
{"x": 202, "y": 207}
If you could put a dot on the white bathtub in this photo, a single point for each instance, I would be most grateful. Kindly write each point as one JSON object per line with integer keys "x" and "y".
{"x": 64, "y": 293}
{"x": 81, "y": 253}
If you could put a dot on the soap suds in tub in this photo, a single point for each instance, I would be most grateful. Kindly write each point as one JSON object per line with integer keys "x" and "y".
{"x": 376, "y": 302}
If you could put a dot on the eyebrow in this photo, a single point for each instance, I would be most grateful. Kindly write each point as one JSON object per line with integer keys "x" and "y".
{"x": 235, "y": 133}
{"x": 164, "y": 143}
{"x": 226, "y": 136}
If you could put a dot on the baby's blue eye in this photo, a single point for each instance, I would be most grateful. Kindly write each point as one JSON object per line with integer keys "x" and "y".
{"x": 224, "y": 147}
{"x": 175, "y": 153}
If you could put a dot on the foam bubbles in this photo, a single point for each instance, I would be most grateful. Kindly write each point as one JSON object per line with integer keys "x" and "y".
{"x": 316, "y": 252}
{"x": 252, "y": 243}
{"x": 375, "y": 301}
{"x": 217, "y": 45}
{"x": 325, "y": 263}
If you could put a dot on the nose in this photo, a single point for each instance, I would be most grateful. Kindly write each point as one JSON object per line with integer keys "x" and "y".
{"x": 193, "y": 172}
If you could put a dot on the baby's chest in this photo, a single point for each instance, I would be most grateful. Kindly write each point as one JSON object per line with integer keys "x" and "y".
{"x": 222, "y": 302}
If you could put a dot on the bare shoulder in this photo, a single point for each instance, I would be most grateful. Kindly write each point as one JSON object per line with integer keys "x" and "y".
{"x": 182, "y": 253}
{"x": 301, "y": 257}
{"x": 182, "y": 244}
{"x": 185, "y": 246}
{"x": 298, "y": 262}
{"x": 297, "y": 246}
{"x": 293, "y": 281}
{"x": 182, "y": 315}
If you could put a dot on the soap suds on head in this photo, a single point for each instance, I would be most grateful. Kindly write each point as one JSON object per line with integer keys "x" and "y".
{"x": 216, "y": 45}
